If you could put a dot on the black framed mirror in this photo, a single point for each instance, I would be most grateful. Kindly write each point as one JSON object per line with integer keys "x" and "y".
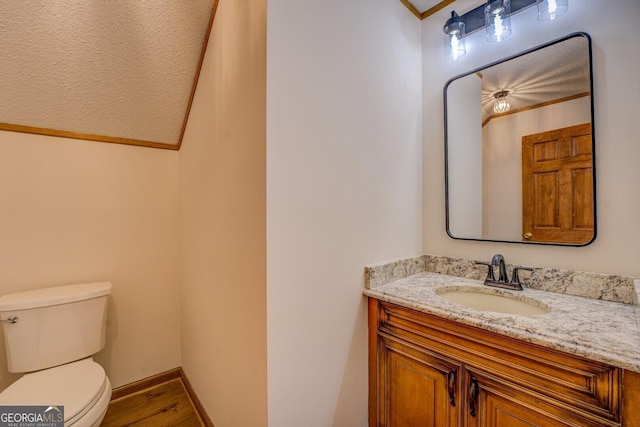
{"x": 520, "y": 148}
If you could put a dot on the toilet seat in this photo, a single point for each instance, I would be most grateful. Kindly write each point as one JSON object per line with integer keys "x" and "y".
{"x": 77, "y": 386}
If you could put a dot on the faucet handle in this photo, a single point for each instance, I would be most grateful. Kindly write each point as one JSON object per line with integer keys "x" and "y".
{"x": 515, "y": 279}
{"x": 490, "y": 274}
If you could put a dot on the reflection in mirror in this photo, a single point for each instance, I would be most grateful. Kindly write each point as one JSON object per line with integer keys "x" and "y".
{"x": 519, "y": 148}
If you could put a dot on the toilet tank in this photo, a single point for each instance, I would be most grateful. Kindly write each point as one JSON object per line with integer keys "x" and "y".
{"x": 55, "y": 325}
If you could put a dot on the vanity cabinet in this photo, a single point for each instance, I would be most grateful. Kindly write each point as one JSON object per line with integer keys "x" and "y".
{"x": 427, "y": 371}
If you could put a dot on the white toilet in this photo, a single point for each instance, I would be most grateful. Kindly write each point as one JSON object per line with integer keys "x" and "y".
{"x": 50, "y": 334}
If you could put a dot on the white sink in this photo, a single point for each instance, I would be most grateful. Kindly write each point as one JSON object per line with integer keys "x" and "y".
{"x": 492, "y": 300}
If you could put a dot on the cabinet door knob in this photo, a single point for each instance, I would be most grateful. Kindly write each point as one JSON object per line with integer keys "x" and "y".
{"x": 528, "y": 236}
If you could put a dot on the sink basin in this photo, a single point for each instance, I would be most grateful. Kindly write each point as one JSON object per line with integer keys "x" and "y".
{"x": 491, "y": 300}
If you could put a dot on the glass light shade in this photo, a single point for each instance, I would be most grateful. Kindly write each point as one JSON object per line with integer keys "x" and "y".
{"x": 497, "y": 20}
{"x": 455, "y": 46}
{"x": 551, "y": 9}
{"x": 501, "y": 102}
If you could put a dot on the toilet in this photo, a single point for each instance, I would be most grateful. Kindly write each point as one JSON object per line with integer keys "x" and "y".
{"x": 50, "y": 335}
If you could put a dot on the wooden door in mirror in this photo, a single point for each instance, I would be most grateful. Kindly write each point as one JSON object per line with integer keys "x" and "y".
{"x": 557, "y": 186}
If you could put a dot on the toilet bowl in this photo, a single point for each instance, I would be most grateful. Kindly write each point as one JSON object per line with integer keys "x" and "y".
{"x": 81, "y": 387}
{"x": 50, "y": 335}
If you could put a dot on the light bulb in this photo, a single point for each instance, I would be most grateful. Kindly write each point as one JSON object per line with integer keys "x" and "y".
{"x": 455, "y": 46}
{"x": 497, "y": 20}
{"x": 501, "y": 102}
{"x": 550, "y": 9}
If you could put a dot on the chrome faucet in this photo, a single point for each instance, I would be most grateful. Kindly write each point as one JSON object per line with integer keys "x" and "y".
{"x": 501, "y": 281}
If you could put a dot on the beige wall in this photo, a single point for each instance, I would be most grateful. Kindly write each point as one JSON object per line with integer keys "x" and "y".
{"x": 343, "y": 191}
{"x": 223, "y": 238}
{"x": 75, "y": 211}
{"x": 616, "y": 67}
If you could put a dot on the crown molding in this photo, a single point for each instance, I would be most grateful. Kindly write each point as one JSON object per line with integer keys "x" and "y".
{"x": 428, "y": 12}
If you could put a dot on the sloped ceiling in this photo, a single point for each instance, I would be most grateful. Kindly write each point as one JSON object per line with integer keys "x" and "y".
{"x": 116, "y": 71}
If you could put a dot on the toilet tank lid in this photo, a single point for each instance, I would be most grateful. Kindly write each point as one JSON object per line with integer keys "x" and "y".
{"x": 53, "y": 296}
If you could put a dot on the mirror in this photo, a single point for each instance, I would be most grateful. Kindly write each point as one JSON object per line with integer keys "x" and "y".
{"x": 519, "y": 148}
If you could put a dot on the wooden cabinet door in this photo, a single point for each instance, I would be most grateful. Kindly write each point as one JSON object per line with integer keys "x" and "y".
{"x": 492, "y": 402}
{"x": 417, "y": 389}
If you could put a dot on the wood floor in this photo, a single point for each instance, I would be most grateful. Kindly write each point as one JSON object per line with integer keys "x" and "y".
{"x": 165, "y": 404}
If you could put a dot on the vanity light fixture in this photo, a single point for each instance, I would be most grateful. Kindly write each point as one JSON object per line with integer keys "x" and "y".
{"x": 455, "y": 46}
{"x": 548, "y": 10}
{"x": 501, "y": 102}
{"x": 495, "y": 17}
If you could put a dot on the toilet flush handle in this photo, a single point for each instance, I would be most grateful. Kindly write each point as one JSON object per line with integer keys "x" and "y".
{"x": 12, "y": 319}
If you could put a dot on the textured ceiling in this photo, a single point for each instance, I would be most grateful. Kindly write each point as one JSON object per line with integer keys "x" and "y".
{"x": 556, "y": 72}
{"x": 116, "y": 68}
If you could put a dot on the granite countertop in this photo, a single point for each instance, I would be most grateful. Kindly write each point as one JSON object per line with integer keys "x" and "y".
{"x": 604, "y": 331}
